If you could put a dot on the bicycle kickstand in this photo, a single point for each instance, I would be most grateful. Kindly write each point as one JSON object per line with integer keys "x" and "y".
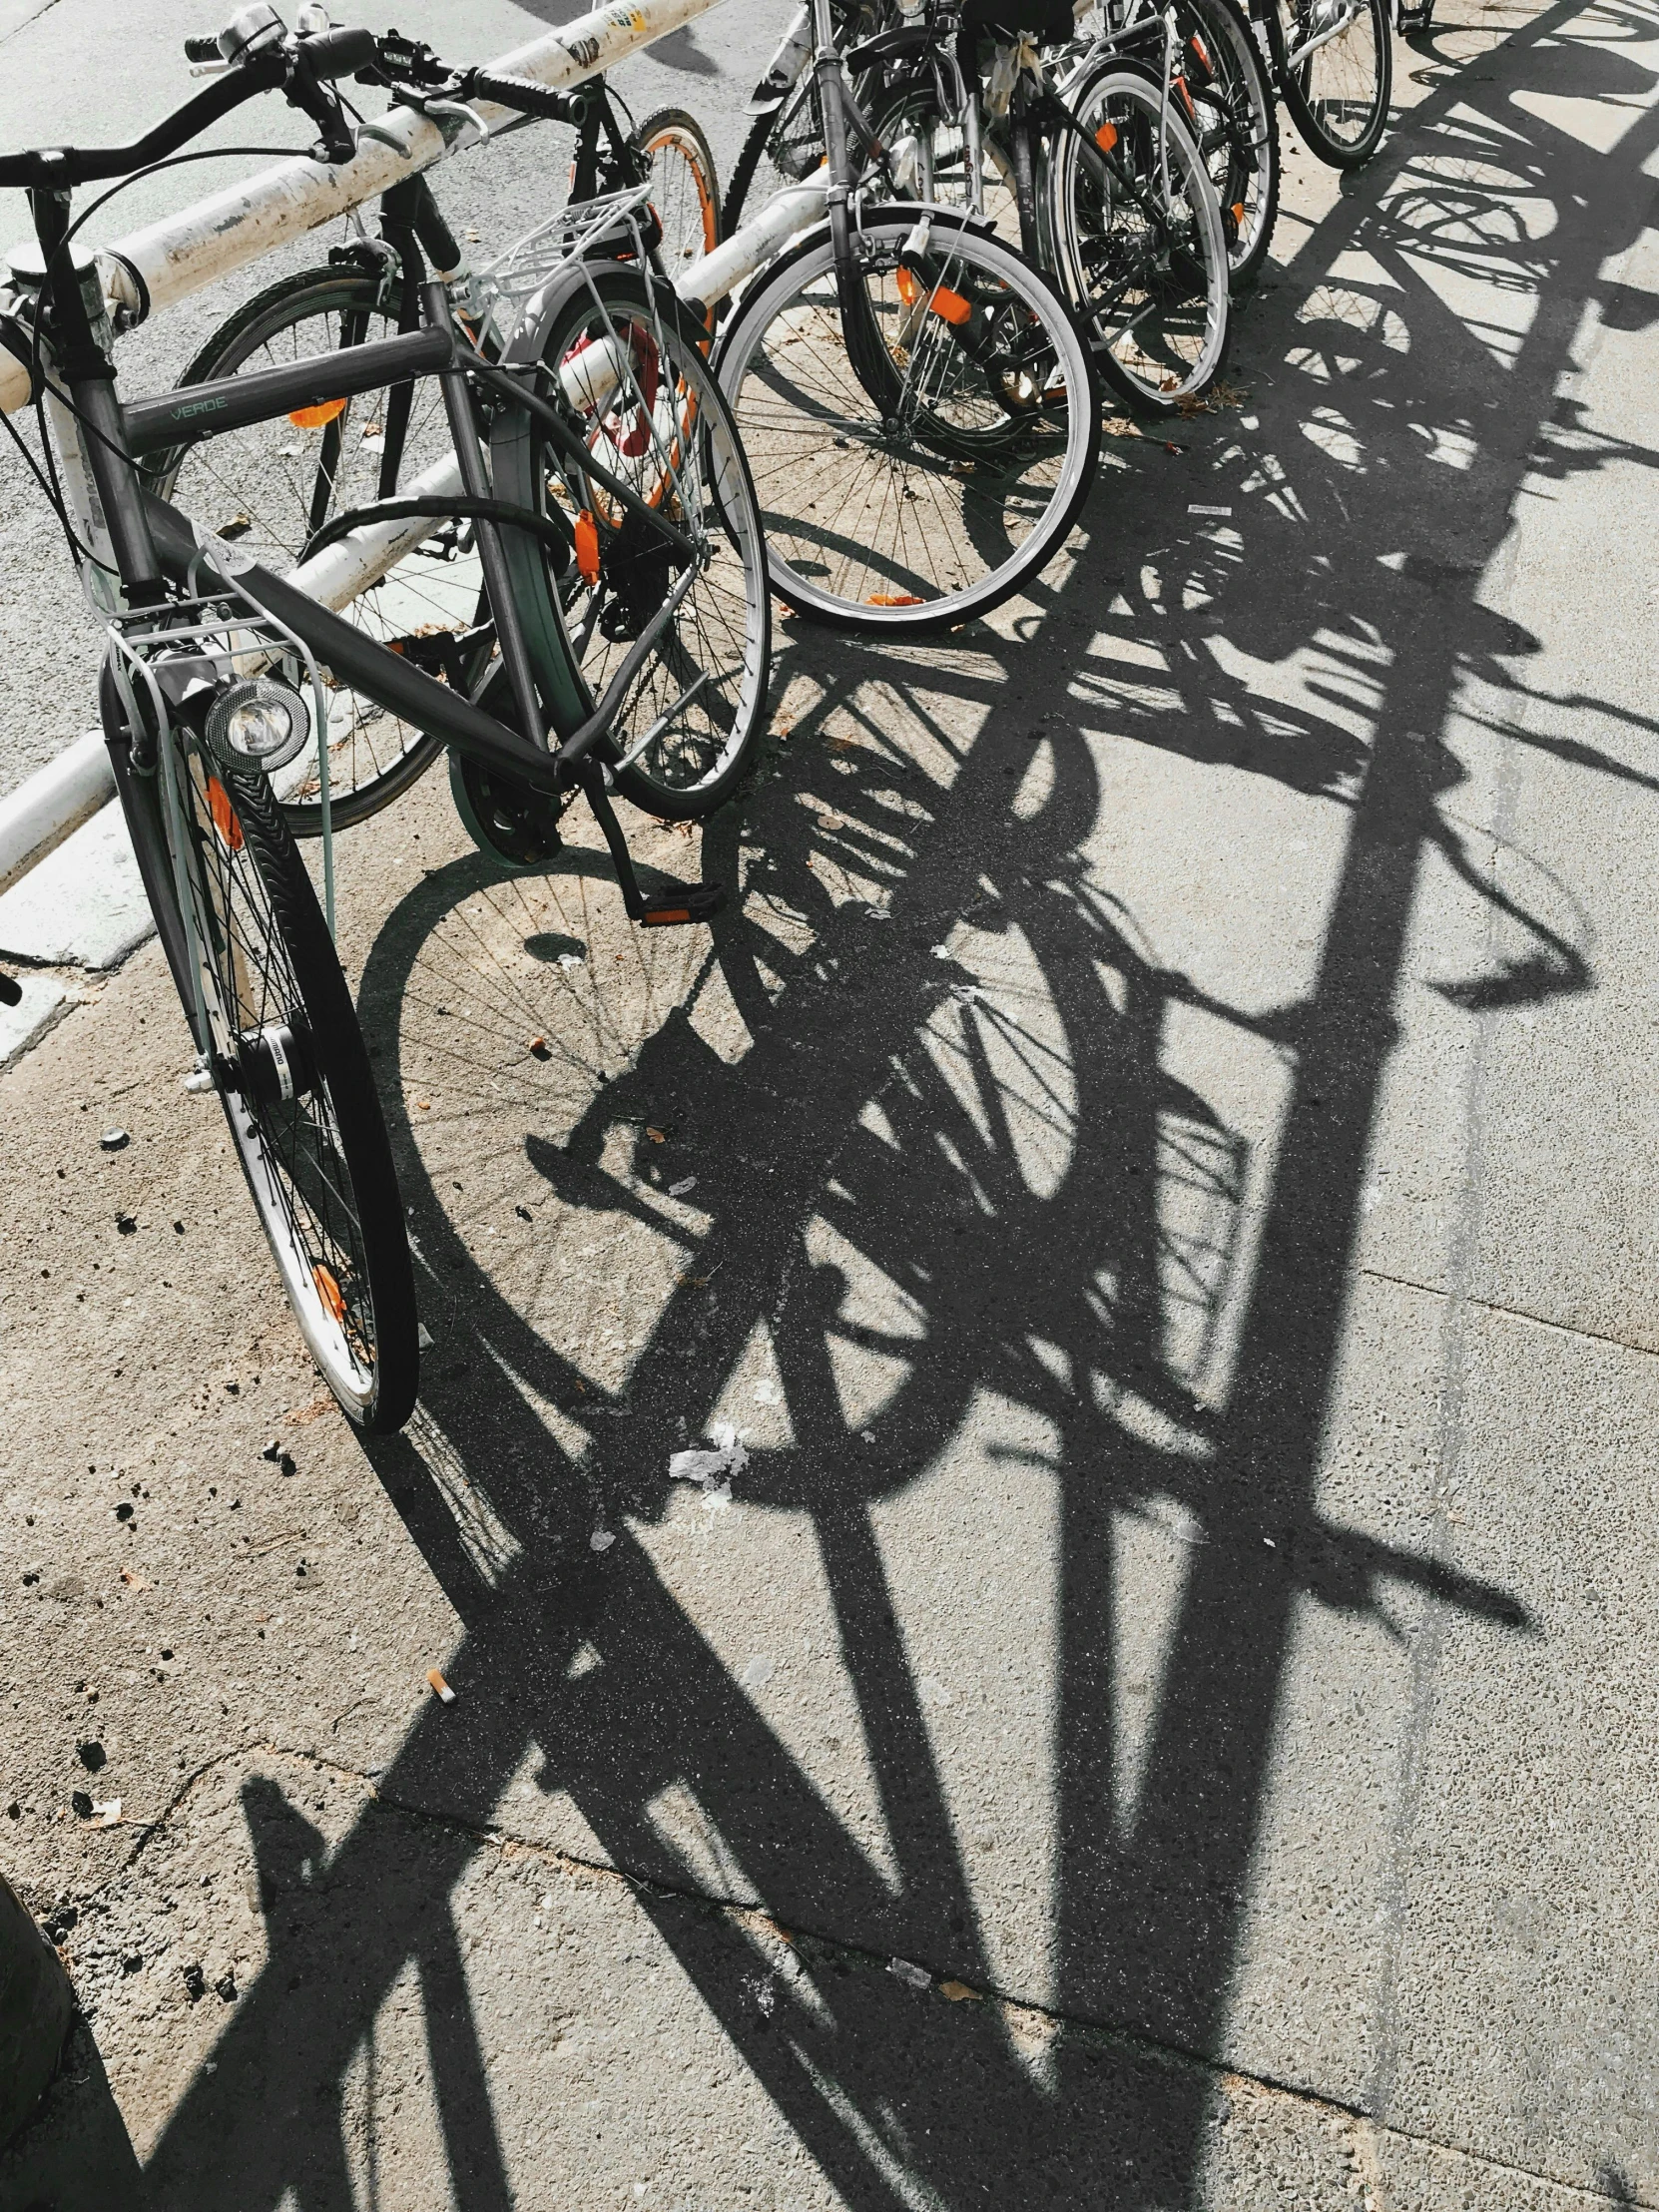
{"x": 671, "y": 906}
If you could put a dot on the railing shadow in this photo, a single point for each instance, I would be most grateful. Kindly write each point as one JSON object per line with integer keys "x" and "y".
{"x": 1060, "y": 1221}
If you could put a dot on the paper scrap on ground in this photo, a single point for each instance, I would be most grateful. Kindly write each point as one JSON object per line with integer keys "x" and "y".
{"x": 684, "y": 1184}
{"x": 601, "y": 1539}
{"x": 917, "y": 1976}
{"x": 712, "y": 1470}
{"x": 106, "y": 1812}
{"x": 1209, "y": 510}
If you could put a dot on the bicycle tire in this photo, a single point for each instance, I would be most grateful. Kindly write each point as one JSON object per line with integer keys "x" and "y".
{"x": 1247, "y": 89}
{"x": 376, "y": 757}
{"x": 1157, "y": 313}
{"x": 1310, "y": 109}
{"x": 684, "y": 185}
{"x": 286, "y": 1053}
{"x": 677, "y": 750}
{"x": 793, "y": 454}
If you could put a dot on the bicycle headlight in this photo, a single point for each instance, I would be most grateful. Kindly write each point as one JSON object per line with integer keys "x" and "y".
{"x": 258, "y": 724}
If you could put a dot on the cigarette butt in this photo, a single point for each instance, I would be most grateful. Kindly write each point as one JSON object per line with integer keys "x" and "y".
{"x": 441, "y": 1688}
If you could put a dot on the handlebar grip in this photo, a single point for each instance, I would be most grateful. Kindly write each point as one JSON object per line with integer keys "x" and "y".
{"x": 339, "y": 53}
{"x": 521, "y": 93}
{"x": 201, "y": 50}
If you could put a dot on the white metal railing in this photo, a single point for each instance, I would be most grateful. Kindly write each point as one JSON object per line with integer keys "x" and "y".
{"x": 185, "y": 253}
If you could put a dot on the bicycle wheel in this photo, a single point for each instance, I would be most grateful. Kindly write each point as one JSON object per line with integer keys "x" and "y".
{"x": 272, "y": 486}
{"x": 1236, "y": 124}
{"x": 628, "y": 361}
{"x": 927, "y": 504}
{"x": 685, "y": 189}
{"x": 1144, "y": 260}
{"x": 273, "y": 1020}
{"x": 1335, "y": 62}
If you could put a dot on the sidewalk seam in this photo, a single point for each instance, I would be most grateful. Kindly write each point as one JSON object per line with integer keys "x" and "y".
{"x": 1137, "y": 2039}
{"x": 1512, "y": 1313}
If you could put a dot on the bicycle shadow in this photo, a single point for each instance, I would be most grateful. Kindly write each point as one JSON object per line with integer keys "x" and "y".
{"x": 1068, "y": 1225}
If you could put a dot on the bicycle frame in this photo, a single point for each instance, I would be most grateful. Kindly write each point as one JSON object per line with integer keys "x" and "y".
{"x": 140, "y": 549}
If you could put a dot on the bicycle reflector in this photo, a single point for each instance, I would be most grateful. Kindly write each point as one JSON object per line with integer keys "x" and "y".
{"x": 258, "y": 724}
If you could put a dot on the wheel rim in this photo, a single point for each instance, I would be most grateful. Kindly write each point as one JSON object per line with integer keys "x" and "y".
{"x": 861, "y": 520}
{"x": 1146, "y": 269}
{"x": 1338, "y": 81}
{"x": 688, "y": 716}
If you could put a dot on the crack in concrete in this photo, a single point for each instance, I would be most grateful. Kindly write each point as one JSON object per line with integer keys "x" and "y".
{"x": 753, "y": 1915}
{"x": 1512, "y": 1313}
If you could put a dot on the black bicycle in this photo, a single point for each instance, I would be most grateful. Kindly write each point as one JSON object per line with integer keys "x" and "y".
{"x": 597, "y": 466}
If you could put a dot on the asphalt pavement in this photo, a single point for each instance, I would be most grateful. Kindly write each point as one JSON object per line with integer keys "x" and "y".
{"x": 1154, "y": 1172}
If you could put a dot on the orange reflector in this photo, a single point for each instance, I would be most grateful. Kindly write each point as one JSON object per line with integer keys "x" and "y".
{"x": 312, "y": 418}
{"x": 587, "y": 547}
{"x": 1238, "y": 211}
{"x": 894, "y": 599}
{"x": 660, "y": 918}
{"x": 1106, "y": 137}
{"x": 329, "y": 1291}
{"x": 1203, "y": 52}
{"x": 224, "y": 814}
{"x": 1179, "y": 84}
{"x": 908, "y": 290}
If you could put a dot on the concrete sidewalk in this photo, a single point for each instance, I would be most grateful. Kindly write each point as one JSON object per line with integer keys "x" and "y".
{"x": 1157, "y": 1173}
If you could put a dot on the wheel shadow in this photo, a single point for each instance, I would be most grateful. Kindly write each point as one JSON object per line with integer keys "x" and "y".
{"x": 1066, "y": 1225}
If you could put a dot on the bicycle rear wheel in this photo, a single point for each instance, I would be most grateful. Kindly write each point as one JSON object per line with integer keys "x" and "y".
{"x": 275, "y": 1027}
{"x": 1140, "y": 244}
{"x": 628, "y": 363}
{"x": 1236, "y": 124}
{"x": 272, "y": 486}
{"x": 1335, "y": 60}
{"x": 919, "y": 498}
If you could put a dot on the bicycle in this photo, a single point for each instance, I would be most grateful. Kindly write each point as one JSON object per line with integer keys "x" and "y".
{"x": 278, "y": 486}
{"x": 1089, "y": 157}
{"x": 918, "y": 401}
{"x": 597, "y": 446}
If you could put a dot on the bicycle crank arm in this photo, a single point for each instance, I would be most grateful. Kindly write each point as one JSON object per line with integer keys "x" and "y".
{"x": 669, "y": 905}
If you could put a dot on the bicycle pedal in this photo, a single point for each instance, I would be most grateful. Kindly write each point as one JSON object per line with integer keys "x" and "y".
{"x": 676, "y": 905}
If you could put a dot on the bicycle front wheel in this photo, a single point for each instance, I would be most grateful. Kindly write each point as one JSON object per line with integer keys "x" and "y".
{"x": 1138, "y": 240}
{"x": 915, "y": 499}
{"x": 1335, "y": 60}
{"x": 278, "y": 1033}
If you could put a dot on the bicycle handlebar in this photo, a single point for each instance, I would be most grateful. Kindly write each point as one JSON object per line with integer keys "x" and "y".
{"x": 61, "y": 166}
{"x": 516, "y": 92}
